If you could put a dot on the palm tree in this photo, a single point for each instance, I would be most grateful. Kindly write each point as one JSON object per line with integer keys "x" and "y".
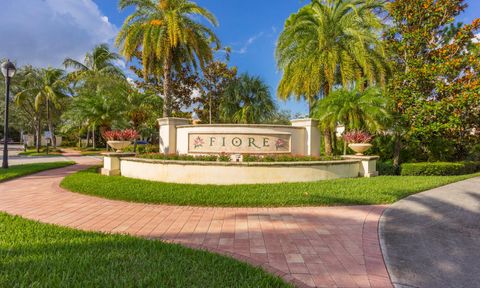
{"x": 247, "y": 100}
{"x": 49, "y": 87}
{"x": 367, "y": 110}
{"x": 100, "y": 62}
{"x": 100, "y": 108}
{"x": 26, "y": 101}
{"x": 330, "y": 42}
{"x": 169, "y": 34}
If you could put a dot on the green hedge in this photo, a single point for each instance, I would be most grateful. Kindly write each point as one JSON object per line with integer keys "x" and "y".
{"x": 439, "y": 168}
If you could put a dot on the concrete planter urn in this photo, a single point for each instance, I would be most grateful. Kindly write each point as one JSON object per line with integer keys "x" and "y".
{"x": 360, "y": 148}
{"x": 119, "y": 145}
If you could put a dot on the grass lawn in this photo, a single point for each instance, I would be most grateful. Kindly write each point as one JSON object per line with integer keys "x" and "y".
{"x": 377, "y": 190}
{"x": 33, "y": 152}
{"x": 26, "y": 169}
{"x": 87, "y": 152}
{"x": 40, "y": 255}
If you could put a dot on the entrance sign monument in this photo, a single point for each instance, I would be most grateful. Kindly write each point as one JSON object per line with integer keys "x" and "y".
{"x": 178, "y": 136}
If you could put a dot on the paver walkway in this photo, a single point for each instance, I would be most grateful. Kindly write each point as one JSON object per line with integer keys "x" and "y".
{"x": 317, "y": 246}
{"x": 432, "y": 239}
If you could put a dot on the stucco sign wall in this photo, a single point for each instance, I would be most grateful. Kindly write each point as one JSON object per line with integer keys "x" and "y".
{"x": 239, "y": 143}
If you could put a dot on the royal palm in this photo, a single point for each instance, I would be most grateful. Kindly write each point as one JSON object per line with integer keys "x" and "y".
{"x": 328, "y": 43}
{"x": 168, "y": 34}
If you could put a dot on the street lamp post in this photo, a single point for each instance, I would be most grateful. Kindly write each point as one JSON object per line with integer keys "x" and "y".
{"x": 8, "y": 70}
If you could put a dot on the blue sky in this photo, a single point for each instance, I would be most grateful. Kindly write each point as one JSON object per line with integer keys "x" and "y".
{"x": 62, "y": 28}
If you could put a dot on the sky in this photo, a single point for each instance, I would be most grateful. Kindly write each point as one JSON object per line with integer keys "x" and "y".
{"x": 44, "y": 32}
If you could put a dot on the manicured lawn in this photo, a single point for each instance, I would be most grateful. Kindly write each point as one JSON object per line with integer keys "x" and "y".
{"x": 39, "y": 255}
{"x": 26, "y": 169}
{"x": 378, "y": 190}
{"x": 42, "y": 152}
{"x": 86, "y": 152}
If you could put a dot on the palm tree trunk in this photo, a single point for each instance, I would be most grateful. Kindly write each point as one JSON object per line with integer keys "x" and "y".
{"x": 88, "y": 137}
{"x": 327, "y": 133}
{"x": 167, "y": 86}
{"x": 334, "y": 140}
{"x": 327, "y": 138}
{"x": 93, "y": 138}
{"x": 50, "y": 125}
{"x": 37, "y": 134}
{"x": 80, "y": 137}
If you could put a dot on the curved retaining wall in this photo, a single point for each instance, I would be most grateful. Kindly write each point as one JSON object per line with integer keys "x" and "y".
{"x": 237, "y": 173}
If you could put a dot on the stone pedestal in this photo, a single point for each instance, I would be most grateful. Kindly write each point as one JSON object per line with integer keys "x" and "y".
{"x": 111, "y": 163}
{"x": 168, "y": 133}
{"x": 312, "y": 136}
{"x": 368, "y": 164}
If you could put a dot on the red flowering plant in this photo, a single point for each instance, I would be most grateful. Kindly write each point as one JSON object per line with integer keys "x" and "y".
{"x": 357, "y": 137}
{"x": 121, "y": 135}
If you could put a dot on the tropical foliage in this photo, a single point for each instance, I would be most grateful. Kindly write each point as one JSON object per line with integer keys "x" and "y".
{"x": 217, "y": 76}
{"x": 169, "y": 35}
{"x": 247, "y": 100}
{"x": 367, "y": 110}
{"x": 328, "y": 43}
{"x": 100, "y": 62}
{"x": 435, "y": 85}
{"x": 49, "y": 87}
{"x": 404, "y": 71}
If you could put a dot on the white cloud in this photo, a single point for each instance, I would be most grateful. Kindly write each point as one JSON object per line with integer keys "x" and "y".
{"x": 248, "y": 43}
{"x": 45, "y": 32}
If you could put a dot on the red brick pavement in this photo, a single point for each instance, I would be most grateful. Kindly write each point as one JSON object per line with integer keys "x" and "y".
{"x": 308, "y": 246}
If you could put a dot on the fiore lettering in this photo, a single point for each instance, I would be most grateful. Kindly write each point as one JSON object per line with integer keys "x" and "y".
{"x": 239, "y": 143}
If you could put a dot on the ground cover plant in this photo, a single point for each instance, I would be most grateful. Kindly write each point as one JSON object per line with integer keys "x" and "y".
{"x": 26, "y": 169}
{"x": 359, "y": 191}
{"x": 40, "y": 255}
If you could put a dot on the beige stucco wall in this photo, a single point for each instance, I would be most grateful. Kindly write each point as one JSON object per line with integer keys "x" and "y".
{"x": 237, "y": 173}
{"x": 298, "y": 134}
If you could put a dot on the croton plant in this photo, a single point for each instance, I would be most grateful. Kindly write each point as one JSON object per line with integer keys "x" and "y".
{"x": 121, "y": 135}
{"x": 357, "y": 137}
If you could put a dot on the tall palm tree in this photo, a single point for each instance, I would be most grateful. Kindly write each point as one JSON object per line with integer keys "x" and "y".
{"x": 49, "y": 87}
{"x": 100, "y": 62}
{"x": 26, "y": 76}
{"x": 247, "y": 100}
{"x": 330, "y": 42}
{"x": 169, "y": 34}
{"x": 367, "y": 110}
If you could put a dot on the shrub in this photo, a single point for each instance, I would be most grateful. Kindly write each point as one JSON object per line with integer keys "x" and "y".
{"x": 439, "y": 168}
{"x": 386, "y": 168}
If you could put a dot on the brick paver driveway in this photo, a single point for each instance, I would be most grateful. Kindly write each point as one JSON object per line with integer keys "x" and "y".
{"x": 316, "y": 246}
